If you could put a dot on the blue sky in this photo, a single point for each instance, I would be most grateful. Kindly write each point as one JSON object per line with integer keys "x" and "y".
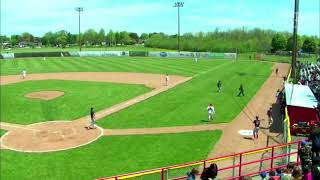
{"x": 40, "y": 16}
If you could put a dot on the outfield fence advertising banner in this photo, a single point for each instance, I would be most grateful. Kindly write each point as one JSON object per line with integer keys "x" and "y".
{"x": 122, "y": 53}
{"x": 194, "y": 55}
{"x": 101, "y": 53}
{"x": 230, "y": 55}
{"x": 7, "y": 55}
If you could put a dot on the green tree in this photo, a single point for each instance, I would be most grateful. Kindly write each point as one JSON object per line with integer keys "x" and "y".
{"x": 309, "y": 45}
{"x": 117, "y": 38}
{"x": 111, "y": 38}
{"x": 134, "y": 37}
{"x": 62, "y": 40}
{"x": 15, "y": 39}
{"x": 278, "y": 42}
{"x": 125, "y": 38}
{"x": 289, "y": 46}
{"x": 27, "y": 37}
{"x": 101, "y": 36}
{"x": 144, "y": 36}
{"x": 49, "y": 39}
{"x": 90, "y": 37}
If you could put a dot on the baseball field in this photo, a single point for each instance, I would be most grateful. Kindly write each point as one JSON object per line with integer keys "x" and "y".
{"x": 141, "y": 122}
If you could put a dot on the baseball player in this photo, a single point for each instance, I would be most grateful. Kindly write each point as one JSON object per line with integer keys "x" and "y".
{"x": 167, "y": 79}
{"x": 93, "y": 118}
{"x": 24, "y": 73}
{"x": 211, "y": 112}
{"x": 241, "y": 91}
{"x": 219, "y": 85}
{"x": 256, "y": 129}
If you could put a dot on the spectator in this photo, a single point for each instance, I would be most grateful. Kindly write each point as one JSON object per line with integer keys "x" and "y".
{"x": 306, "y": 174}
{"x": 315, "y": 139}
{"x": 279, "y": 172}
{"x": 287, "y": 172}
{"x": 264, "y": 176}
{"x": 305, "y": 155}
{"x": 245, "y": 178}
{"x": 273, "y": 175}
{"x": 192, "y": 174}
{"x": 269, "y": 114}
{"x": 210, "y": 172}
{"x": 277, "y": 93}
{"x": 297, "y": 173}
{"x": 315, "y": 168}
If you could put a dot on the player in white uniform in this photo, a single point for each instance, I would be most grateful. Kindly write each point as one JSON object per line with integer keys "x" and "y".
{"x": 167, "y": 79}
{"x": 211, "y": 112}
{"x": 24, "y": 74}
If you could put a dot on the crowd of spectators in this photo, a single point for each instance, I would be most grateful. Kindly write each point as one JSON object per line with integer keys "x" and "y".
{"x": 309, "y": 74}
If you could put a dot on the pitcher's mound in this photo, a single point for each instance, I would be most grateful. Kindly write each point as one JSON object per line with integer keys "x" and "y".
{"x": 45, "y": 95}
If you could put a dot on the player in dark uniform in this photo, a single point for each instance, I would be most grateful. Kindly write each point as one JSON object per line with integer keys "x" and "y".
{"x": 305, "y": 155}
{"x": 256, "y": 129}
{"x": 219, "y": 85}
{"x": 241, "y": 91}
{"x": 92, "y": 117}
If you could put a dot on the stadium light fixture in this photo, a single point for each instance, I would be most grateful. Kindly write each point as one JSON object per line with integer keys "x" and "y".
{"x": 79, "y": 9}
{"x": 178, "y": 5}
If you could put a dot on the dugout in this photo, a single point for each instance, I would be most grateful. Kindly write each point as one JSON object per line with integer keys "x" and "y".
{"x": 301, "y": 104}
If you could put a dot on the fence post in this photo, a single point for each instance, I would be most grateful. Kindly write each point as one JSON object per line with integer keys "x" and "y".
{"x": 233, "y": 169}
{"x": 240, "y": 164}
{"x": 289, "y": 153}
{"x": 204, "y": 164}
{"x": 116, "y": 177}
{"x": 299, "y": 146}
{"x": 272, "y": 156}
{"x": 162, "y": 174}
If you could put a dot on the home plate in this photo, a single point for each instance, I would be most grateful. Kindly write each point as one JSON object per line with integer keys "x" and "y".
{"x": 246, "y": 132}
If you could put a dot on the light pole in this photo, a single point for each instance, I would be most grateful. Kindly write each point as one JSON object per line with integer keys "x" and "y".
{"x": 178, "y": 5}
{"x": 294, "y": 50}
{"x": 79, "y": 9}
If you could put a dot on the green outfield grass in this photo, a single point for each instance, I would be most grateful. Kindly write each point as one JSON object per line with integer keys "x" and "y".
{"x": 2, "y": 132}
{"x": 94, "y": 48}
{"x": 109, "y": 156}
{"x": 186, "y": 104}
{"x": 183, "y": 66}
{"x": 182, "y": 105}
{"x": 78, "y": 97}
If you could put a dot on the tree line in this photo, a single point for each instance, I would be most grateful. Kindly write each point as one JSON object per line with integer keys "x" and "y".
{"x": 237, "y": 40}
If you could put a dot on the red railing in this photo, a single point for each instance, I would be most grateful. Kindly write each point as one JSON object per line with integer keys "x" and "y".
{"x": 162, "y": 173}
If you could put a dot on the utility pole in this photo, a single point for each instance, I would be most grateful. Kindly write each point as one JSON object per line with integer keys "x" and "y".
{"x": 178, "y": 5}
{"x": 294, "y": 49}
{"x": 79, "y": 9}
